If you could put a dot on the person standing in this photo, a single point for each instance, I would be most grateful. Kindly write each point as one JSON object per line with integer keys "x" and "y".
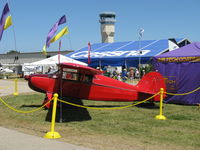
{"x": 124, "y": 75}
{"x": 131, "y": 74}
{"x": 107, "y": 73}
{"x": 137, "y": 74}
{"x": 114, "y": 74}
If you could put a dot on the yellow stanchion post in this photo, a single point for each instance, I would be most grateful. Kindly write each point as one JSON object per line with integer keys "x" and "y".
{"x": 52, "y": 134}
{"x": 161, "y": 116}
{"x": 16, "y": 87}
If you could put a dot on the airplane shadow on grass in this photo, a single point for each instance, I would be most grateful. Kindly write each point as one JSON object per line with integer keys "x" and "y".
{"x": 32, "y": 106}
{"x": 68, "y": 113}
{"x": 148, "y": 105}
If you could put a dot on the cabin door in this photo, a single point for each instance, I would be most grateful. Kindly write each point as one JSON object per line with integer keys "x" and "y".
{"x": 70, "y": 82}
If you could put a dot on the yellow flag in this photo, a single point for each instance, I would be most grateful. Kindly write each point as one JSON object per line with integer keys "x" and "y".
{"x": 8, "y": 22}
{"x": 55, "y": 38}
{"x": 44, "y": 51}
{"x": 60, "y": 34}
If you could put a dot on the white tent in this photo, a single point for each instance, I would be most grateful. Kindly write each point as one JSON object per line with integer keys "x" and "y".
{"x": 43, "y": 65}
{"x": 54, "y": 60}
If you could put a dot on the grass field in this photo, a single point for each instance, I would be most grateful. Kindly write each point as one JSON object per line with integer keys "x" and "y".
{"x": 132, "y": 128}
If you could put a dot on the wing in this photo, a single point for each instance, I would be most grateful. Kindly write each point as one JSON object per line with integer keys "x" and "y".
{"x": 80, "y": 68}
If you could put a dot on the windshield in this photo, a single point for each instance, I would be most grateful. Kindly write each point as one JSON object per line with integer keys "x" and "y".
{"x": 53, "y": 74}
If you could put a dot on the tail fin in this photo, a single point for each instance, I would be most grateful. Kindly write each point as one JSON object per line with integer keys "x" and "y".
{"x": 150, "y": 84}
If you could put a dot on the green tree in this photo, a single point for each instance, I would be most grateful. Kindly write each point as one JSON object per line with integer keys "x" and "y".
{"x": 13, "y": 52}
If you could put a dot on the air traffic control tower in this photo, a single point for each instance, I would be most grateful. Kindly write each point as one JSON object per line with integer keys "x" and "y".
{"x": 107, "y": 20}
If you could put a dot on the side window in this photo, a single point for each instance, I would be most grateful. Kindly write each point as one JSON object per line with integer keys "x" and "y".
{"x": 70, "y": 74}
{"x": 87, "y": 78}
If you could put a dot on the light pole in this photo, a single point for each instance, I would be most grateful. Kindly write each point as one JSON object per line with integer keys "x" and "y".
{"x": 141, "y": 32}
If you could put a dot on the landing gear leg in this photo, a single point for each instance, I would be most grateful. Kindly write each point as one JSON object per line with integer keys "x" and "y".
{"x": 48, "y": 97}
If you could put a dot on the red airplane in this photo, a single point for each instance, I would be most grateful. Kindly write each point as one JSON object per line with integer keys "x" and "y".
{"x": 78, "y": 81}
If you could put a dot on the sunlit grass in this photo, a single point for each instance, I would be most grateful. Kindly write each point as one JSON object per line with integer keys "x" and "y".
{"x": 181, "y": 129}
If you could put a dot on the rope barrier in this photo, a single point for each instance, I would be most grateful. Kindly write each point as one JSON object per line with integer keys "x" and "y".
{"x": 96, "y": 108}
{"x": 114, "y": 108}
{"x": 184, "y": 93}
{"x": 21, "y": 111}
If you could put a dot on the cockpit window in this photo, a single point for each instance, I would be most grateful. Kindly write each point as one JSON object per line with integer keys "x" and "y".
{"x": 53, "y": 74}
{"x": 87, "y": 78}
{"x": 70, "y": 76}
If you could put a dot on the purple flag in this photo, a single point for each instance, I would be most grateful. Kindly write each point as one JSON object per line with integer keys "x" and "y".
{"x": 3, "y": 19}
{"x": 54, "y": 29}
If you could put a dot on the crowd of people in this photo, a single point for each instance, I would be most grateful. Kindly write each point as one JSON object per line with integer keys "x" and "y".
{"x": 124, "y": 75}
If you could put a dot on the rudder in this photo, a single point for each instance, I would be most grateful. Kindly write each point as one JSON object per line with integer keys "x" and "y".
{"x": 151, "y": 84}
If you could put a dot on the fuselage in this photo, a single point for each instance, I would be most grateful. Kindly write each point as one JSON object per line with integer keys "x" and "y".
{"x": 97, "y": 87}
{"x": 82, "y": 82}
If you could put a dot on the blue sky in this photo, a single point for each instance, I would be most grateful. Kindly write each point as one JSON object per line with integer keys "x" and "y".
{"x": 161, "y": 19}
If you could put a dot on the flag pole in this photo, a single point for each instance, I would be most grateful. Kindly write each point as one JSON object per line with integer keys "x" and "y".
{"x": 59, "y": 52}
{"x": 60, "y": 93}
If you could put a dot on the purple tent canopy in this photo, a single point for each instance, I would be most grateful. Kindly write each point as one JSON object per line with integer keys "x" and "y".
{"x": 181, "y": 69}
